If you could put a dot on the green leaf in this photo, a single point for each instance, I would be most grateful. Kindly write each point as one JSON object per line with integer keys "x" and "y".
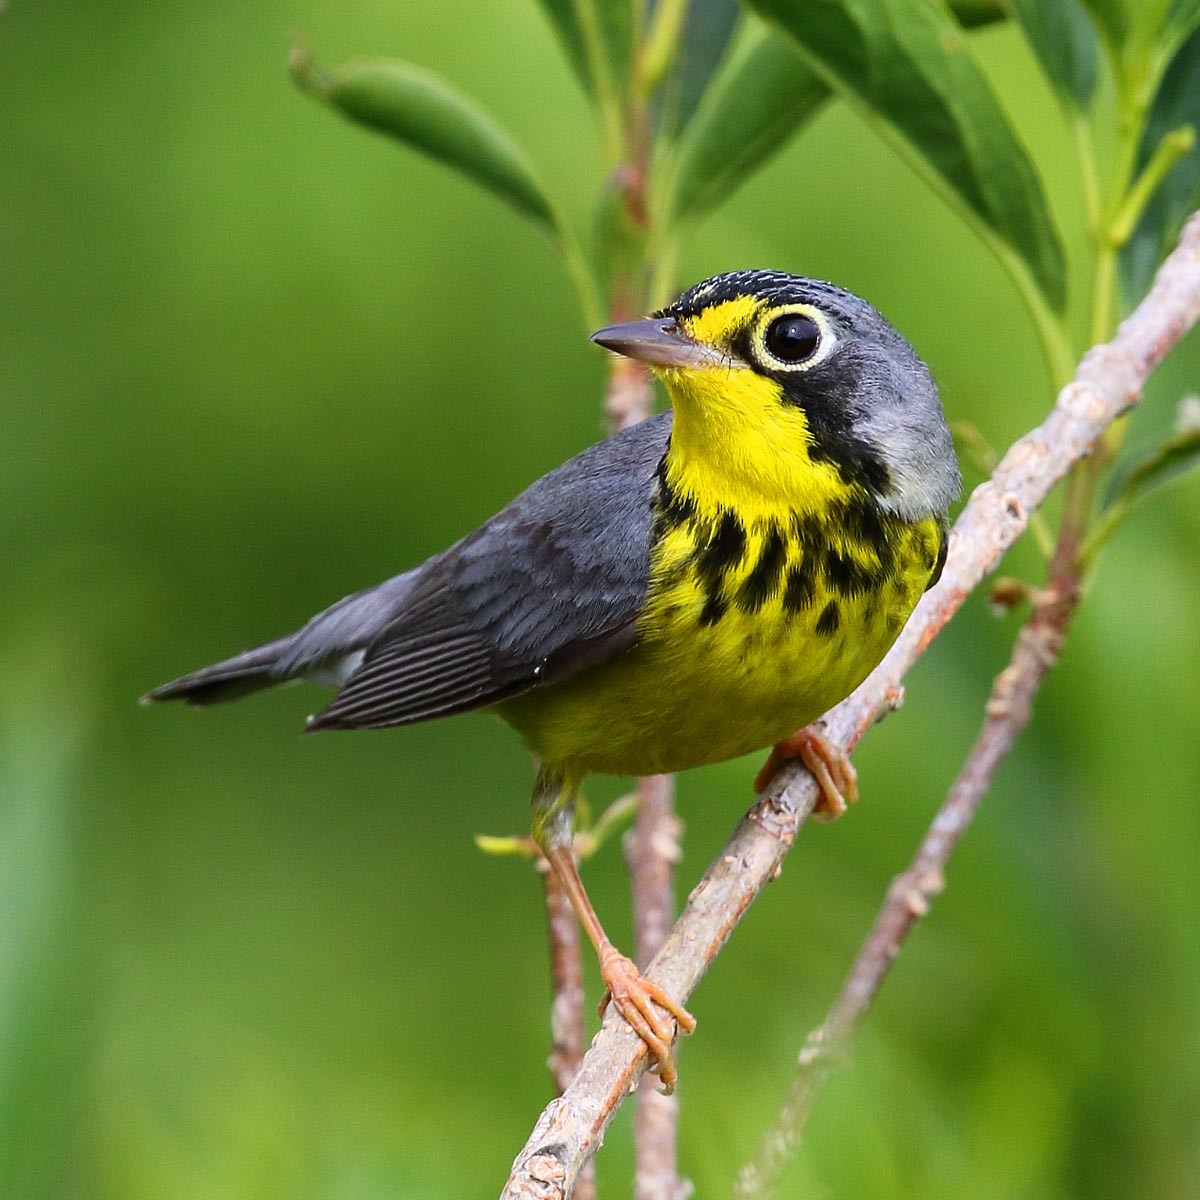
{"x": 1064, "y": 40}
{"x": 507, "y": 847}
{"x": 423, "y": 111}
{"x": 1136, "y": 32}
{"x": 907, "y": 66}
{"x": 1178, "y": 454}
{"x": 1183, "y": 17}
{"x": 613, "y": 25}
{"x": 757, "y": 103}
{"x": 707, "y": 32}
{"x": 1176, "y": 105}
{"x": 561, "y": 15}
{"x": 1112, "y": 19}
{"x": 976, "y": 14}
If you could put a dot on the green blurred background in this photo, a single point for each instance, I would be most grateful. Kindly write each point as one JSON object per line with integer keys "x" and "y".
{"x": 252, "y": 358}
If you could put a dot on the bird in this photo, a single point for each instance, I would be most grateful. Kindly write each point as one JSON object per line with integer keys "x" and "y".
{"x": 701, "y": 585}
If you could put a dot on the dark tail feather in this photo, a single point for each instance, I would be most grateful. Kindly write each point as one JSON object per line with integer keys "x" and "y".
{"x": 238, "y": 676}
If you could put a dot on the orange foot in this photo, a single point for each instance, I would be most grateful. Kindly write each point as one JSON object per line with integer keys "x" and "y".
{"x": 837, "y": 780}
{"x": 635, "y": 997}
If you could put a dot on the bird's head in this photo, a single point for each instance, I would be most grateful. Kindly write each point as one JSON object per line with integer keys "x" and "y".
{"x": 786, "y": 384}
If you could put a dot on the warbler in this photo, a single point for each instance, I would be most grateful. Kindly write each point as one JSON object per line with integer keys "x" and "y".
{"x": 695, "y": 587}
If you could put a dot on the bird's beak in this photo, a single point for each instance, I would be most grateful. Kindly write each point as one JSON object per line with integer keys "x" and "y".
{"x": 661, "y": 342}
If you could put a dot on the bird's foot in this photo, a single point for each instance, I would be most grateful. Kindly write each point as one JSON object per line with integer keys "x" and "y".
{"x": 837, "y": 780}
{"x": 634, "y": 997}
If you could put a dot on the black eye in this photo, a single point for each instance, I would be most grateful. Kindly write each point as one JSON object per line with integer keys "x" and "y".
{"x": 792, "y": 339}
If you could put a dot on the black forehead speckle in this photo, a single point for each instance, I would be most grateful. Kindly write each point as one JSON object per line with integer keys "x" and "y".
{"x": 773, "y": 288}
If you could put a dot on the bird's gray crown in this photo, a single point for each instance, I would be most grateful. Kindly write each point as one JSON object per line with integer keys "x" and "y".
{"x": 774, "y": 288}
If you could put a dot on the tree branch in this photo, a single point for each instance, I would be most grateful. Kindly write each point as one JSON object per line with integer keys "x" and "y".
{"x": 1107, "y": 383}
{"x": 1008, "y": 710}
{"x": 567, "y": 1034}
{"x": 652, "y": 850}
{"x": 568, "y": 1037}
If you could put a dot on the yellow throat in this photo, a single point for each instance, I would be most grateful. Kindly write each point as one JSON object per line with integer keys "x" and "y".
{"x": 735, "y": 443}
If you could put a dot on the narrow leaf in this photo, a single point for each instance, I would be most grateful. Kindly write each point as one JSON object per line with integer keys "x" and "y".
{"x": 707, "y": 32}
{"x": 976, "y": 14}
{"x": 1112, "y": 19}
{"x": 1064, "y": 40}
{"x": 561, "y": 15}
{"x": 1136, "y": 30}
{"x": 1177, "y": 455}
{"x": 507, "y": 847}
{"x": 1176, "y": 105}
{"x": 423, "y": 111}
{"x": 757, "y": 103}
{"x": 907, "y": 65}
{"x": 612, "y": 24}
{"x": 1183, "y": 17}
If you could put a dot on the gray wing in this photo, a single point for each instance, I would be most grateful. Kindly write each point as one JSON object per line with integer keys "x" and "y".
{"x": 550, "y": 585}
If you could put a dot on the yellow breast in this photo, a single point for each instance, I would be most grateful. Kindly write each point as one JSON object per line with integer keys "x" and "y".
{"x": 749, "y": 632}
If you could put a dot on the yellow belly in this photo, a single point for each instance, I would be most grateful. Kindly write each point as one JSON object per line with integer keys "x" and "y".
{"x": 697, "y": 688}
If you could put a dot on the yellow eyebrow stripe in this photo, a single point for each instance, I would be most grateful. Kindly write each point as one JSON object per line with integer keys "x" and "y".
{"x": 713, "y": 325}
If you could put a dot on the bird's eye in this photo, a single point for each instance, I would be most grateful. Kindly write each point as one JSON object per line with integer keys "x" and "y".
{"x": 793, "y": 338}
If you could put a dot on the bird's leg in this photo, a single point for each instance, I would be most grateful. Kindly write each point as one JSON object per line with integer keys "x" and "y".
{"x": 837, "y": 780}
{"x": 632, "y": 993}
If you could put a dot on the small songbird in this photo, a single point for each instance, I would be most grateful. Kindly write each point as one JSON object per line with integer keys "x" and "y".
{"x": 693, "y": 588}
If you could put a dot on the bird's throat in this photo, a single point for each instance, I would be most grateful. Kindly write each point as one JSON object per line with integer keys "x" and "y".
{"x": 736, "y": 445}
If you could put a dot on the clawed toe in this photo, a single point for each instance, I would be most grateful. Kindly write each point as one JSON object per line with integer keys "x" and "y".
{"x": 635, "y": 997}
{"x": 837, "y": 780}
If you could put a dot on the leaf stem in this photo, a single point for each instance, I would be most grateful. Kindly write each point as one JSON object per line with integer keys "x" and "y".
{"x": 1135, "y": 90}
{"x": 1104, "y": 282}
{"x": 600, "y": 69}
{"x": 579, "y": 268}
{"x": 658, "y": 52}
{"x": 1134, "y": 94}
{"x": 1170, "y": 149}
{"x": 1085, "y": 144}
{"x": 1181, "y": 448}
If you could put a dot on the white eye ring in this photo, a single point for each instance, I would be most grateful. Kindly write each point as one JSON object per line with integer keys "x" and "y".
{"x": 823, "y": 346}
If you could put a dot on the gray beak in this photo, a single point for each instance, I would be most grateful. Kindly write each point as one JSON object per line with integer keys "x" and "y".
{"x": 660, "y": 342}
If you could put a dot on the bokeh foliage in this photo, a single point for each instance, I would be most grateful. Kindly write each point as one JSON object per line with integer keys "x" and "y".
{"x": 251, "y": 361}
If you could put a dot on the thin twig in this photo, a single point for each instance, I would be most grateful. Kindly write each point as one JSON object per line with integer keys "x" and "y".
{"x": 568, "y": 1036}
{"x": 908, "y": 899}
{"x": 652, "y": 850}
{"x": 1107, "y": 383}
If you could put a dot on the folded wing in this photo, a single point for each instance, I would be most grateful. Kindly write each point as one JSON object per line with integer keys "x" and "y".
{"x": 551, "y": 585}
